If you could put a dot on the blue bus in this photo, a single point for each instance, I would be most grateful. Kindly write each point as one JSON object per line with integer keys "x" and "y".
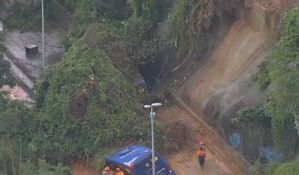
{"x": 136, "y": 160}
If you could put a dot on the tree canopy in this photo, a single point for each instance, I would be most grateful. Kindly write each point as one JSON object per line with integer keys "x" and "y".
{"x": 5, "y": 77}
{"x": 282, "y": 71}
{"x": 85, "y": 104}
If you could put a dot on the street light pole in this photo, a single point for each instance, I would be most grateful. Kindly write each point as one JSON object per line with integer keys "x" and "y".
{"x": 297, "y": 123}
{"x": 43, "y": 35}
{"x": 152, "y": 115}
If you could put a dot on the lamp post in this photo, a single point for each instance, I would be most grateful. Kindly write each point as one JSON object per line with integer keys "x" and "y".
{"x": 43, "y": 35}
{"x": 152, "y": 115}
{"x": 297, "y": 124}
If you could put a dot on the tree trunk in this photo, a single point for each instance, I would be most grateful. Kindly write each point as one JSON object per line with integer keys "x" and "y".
{"x": 11, "y": 158}
{"x": 4, "y": 169}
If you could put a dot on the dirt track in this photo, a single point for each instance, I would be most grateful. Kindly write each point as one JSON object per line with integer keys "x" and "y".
{"x": 239, "y": 52}
{"x": 185, "y": 162}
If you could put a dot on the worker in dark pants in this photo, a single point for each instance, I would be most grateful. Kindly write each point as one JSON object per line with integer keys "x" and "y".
{"x": 201, "y": 156}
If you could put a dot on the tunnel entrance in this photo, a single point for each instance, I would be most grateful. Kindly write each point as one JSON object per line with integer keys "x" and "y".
{"x": 150, "y": 72}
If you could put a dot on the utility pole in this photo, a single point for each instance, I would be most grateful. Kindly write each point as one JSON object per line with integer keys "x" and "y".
{"x": 297, "y": 123}
{"x": 43, "y": 36}
{"x": 152, "y": 116}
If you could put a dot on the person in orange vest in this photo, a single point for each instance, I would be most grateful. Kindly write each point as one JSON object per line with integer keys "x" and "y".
{"x": 119, "y": 171}
{"x": 201, "y": 156}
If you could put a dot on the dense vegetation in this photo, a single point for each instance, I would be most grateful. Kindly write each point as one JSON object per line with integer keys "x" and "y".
{"x": 86, "y": 105}
{"x": 14, "y": 124}
{"x": 283, "y": 74}
{"x": 26, "y": 16}
{"x": 5, "y": 77}
{"x": 189, "y": 24}
{"x": 290, "y": 168}
{"x": 280, "y": 74}
{"x": 252, "y": 120}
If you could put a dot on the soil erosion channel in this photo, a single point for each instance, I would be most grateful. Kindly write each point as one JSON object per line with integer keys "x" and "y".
{"x": 232, "y": 62}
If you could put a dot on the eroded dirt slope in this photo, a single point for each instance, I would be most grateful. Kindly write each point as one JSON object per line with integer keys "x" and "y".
{"x": 221, "y": 86}
{"x": 235, "y": 59}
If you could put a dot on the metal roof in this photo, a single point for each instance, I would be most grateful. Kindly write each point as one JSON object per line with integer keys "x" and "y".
{"x": 130, "y": 155}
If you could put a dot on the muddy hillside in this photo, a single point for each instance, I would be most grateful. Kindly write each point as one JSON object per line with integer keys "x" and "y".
{"x": 226, "y": 72}
{"x": 225, "y": 83}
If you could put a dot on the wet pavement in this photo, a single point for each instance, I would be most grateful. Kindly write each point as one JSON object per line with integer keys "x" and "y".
{"x": 31, "y": 65}
{"x": 26, "y": 68}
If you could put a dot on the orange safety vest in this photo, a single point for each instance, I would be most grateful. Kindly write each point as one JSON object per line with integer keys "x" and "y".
{"x": 120, "y": 173}
{"x": 200, "y": 153}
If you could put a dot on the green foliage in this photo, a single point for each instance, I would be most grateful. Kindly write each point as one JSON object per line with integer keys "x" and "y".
{"x": 2, "y": 47}
{"x": 86, "y": 104}
{"x": 43, "y": 168}
{"x": 5, "y": 77}
{"x": 12, "y": 126}
{"x": 89, "y": 11}
{"x": 23, "y": 18}
{"x": 263, "y": 78}
{"x": 283, "y": 67}
{"x": 9, "y": 119}
{"x": 133, "y": 23}
{"x": 114, "y": 9}
{"x": 289, "y": 168}
{"x": 284, "y": 135}
{"x": 265, "y": 169}
{"x": 26, "y": 16}
{"x": 8, "y": 159}
{"x": 2, "y": 5}
{"x": 252, "y": 119}
{"x": 178, "y": 27}
{"x": 70, "y": 5}
{"x": 188, "y": 26}
{"x": 138, "y": 43}
{"x": 282, "y": 72}
{"x": 150, "y": 9}
{"x": 18, "y": 125}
